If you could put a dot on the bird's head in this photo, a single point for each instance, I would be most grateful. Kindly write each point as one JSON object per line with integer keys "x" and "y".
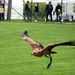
{"x": 37, "y": 53}
{"x": 34, "y": 53}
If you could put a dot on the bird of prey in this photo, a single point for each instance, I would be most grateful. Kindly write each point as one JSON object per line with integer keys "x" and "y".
{"x": 39, "y": 50}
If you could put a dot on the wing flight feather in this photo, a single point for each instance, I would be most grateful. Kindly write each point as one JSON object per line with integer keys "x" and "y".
{"x": 32, "y": 42}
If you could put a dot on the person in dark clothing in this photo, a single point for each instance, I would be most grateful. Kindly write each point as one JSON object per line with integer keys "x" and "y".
{"x": 36, "y": 12}
{"x": 1, "y": 11}
{"x": 58, "y": 11}
{"x": 49, "y": 9}
{"x": 26, "y": 11}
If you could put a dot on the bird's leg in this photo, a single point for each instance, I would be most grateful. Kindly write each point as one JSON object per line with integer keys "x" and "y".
{"x": 47, "y": 56}
{"x": 50, "y": 61}
{"x": 50, "y": 57}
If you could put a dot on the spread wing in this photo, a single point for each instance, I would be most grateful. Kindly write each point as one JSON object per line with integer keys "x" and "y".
{"x": 51, "y": 46}
{"x": 32, "y": 42}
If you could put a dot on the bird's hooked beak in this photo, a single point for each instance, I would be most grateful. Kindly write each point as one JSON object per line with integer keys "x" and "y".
{"x": 31, "y": 53}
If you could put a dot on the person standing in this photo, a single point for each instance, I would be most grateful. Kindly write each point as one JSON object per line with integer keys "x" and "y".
{"x": 49, "y": 9}
{"x": 26, "y": 11}
{"x": 36, "y": 12}
{"x": 1, "y": 11}
{"x": 58, "y": 11}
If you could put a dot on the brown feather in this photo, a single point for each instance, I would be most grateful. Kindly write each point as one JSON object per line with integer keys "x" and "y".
{"x": 32, "y": 42}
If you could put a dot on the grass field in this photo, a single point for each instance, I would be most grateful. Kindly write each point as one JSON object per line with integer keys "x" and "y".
{"x": 15, "y": 54}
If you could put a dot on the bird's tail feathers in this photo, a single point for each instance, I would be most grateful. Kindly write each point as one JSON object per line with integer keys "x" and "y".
{"x": 25, "y": 34}
{"x": 52, "y": 52}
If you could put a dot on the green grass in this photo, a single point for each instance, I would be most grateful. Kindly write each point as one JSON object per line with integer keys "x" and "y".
{"x": 15, "y": 54}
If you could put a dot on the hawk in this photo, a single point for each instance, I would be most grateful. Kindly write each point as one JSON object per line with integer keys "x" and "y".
{"x": 39, "y": 50}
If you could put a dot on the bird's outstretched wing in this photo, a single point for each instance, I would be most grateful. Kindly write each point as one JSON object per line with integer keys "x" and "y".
{"x": 33, "y": 43}
{"x": 51, "y": 46}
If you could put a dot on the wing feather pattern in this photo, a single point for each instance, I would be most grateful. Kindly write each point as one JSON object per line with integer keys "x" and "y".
{"x": 32, "y": 42}
{"x": 51, "y": 46}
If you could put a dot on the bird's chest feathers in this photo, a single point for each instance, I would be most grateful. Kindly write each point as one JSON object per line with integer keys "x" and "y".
{"x": 38, "y": 53}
